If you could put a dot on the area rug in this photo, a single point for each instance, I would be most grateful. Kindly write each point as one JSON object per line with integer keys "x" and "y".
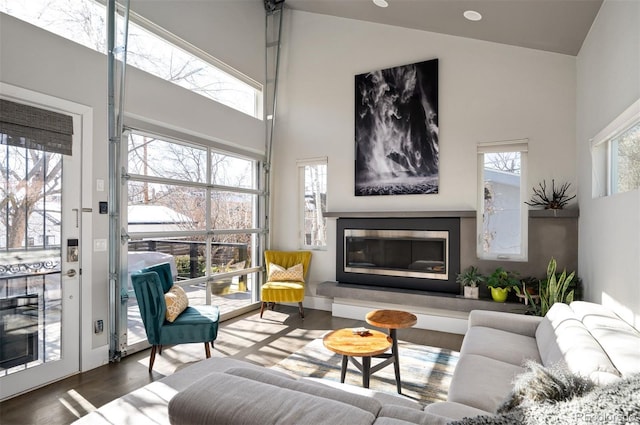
{"x": 425, "y": 372}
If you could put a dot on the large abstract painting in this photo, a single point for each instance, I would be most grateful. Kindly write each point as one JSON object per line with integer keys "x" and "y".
{"x": 396, "y": 130}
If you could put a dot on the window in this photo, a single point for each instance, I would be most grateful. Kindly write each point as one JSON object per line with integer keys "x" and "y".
{"x": 502, "y": 217}
{"x": 149, "y": 49}
{"x": 313, "y": 195}
{"x": 196, "y": 207}
{"x": 616, "y": 154}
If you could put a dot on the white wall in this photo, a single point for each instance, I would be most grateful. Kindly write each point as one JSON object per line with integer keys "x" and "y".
{"x": 487, "y": 92}
{"x": 37, "y": 60}
{"x": 608, "y": 82}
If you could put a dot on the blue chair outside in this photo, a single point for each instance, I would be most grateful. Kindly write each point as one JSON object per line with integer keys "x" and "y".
{"x": 195, "y": 324}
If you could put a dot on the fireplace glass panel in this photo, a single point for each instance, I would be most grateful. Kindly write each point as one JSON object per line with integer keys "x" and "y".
{"x": 409, "y": 253}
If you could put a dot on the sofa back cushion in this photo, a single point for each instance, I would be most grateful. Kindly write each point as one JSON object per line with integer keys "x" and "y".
{"x": 222, "y": 398}
{"x": 562, "y": 337}
{"x": 619, "y": 339}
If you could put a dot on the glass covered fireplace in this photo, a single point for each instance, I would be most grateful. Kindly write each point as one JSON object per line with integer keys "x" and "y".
{"x": 412, "y": 253}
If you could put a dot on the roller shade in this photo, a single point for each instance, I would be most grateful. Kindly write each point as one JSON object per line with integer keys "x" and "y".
{"x": 35, "y": 128}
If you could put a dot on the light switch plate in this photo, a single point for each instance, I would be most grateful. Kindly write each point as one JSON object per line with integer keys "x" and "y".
{"x": 99, "y": 245}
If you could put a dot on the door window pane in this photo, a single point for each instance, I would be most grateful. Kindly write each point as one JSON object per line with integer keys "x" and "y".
{"x": 30, "y": 229}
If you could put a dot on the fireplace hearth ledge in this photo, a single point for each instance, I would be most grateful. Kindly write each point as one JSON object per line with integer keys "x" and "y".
{"x": 436, "y": 311}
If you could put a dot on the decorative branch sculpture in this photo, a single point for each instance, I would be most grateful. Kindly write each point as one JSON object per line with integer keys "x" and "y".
{"x": 556, "y": 201}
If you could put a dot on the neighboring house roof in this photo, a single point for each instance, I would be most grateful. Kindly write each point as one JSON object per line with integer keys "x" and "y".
{"x": 502, "y": 177}
{"x": 155, "y": 214}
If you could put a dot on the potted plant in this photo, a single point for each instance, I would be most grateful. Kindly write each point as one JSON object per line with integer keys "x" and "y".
{"x": 470, "y": 279}
{"x": 555, "y": 288}
{"x": 501, "y": 281}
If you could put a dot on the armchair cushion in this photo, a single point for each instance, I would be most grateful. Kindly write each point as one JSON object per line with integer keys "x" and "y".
{"x": 177, "y": 301}
{"x": 195, "y": 324}
{"x": 281, "y": 274}
{"x": 283, "y": 292}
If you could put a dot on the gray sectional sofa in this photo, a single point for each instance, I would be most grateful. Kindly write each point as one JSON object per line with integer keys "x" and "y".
{"x": 590, "y": 340}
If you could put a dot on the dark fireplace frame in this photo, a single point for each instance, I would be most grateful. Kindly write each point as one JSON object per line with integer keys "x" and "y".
{"x": 450, "y": 224}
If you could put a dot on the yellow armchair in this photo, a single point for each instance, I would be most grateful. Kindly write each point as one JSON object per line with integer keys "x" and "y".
{"x": 284, "y": 291}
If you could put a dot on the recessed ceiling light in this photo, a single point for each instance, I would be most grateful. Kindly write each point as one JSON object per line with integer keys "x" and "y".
{"x": 472, "y": 15}
{"x": 381, "y": 3}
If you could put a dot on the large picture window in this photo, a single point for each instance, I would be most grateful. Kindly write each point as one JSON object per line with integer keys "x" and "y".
{"x": 195, "y": 207}
{"x": 502, "y": 217}
{"x": 149, "y": 48}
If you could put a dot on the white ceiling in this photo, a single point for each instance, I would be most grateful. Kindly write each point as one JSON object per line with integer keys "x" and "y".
{"x": 552, "y": 25}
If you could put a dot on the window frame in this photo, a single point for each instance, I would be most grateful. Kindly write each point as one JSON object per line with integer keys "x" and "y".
{"x": 603, "y": 154}
{"x": 521, "y": 146}
{"x": 301, "y": 165}
{"x": 257, "y": 232}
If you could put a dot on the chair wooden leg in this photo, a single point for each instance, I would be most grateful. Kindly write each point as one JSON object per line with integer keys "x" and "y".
{"x": 262, "y": 308}
{"x": 301, "y": 309}
{"x": 152, "y": 358}
{"x": 207, "y": 351}
{"x": 272, "y": 306}
{"x": 160, "y": 349}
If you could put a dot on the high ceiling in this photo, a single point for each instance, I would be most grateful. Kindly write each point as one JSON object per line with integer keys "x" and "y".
{"x": 552, "y": 25}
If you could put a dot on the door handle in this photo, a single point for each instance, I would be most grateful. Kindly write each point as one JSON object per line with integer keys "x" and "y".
{"x": 71, "y": 273}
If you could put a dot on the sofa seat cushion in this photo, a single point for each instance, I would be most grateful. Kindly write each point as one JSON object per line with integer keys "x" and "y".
{"x": 222, "y": 398}
{"x": 500, "y": 345}
{"x": 482, "y": 382}
{"x": 562, "y": 337}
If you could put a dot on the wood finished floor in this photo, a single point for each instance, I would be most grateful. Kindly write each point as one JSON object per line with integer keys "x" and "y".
{"x": 263, "y": 341}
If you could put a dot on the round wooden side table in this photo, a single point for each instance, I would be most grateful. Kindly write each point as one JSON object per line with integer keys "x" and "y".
{"x": 351, "y": 345}
{"x": 392, "y": 320}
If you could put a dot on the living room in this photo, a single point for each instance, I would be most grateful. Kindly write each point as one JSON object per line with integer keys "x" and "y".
{"x": 488, "y": 92}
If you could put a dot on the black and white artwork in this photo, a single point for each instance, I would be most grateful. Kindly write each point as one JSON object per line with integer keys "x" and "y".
{"x": 396, "y": 126}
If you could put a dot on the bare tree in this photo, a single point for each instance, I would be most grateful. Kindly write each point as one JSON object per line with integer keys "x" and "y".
{"x": 29, "y": 177}
{"x": 503, "y": 161}
{"x": 629, "y": 160}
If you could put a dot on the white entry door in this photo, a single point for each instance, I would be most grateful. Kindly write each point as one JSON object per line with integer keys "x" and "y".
{"x": 40, "y": 250}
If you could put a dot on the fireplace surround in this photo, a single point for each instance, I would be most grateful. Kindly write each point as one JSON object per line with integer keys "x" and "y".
{"x": 409, "y": 253}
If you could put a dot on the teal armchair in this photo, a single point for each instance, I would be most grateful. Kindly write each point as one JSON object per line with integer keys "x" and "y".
{"x": 195, "y": 324}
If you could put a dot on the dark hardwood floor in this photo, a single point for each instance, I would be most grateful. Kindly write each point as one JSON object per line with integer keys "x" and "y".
{"x": 262, "y": 341}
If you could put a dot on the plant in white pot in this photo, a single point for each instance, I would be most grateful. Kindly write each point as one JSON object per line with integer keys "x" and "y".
{"x": 470, "y": 279}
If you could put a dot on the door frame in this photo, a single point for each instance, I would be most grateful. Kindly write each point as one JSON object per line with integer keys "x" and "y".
{"x": 89, "y": 357}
